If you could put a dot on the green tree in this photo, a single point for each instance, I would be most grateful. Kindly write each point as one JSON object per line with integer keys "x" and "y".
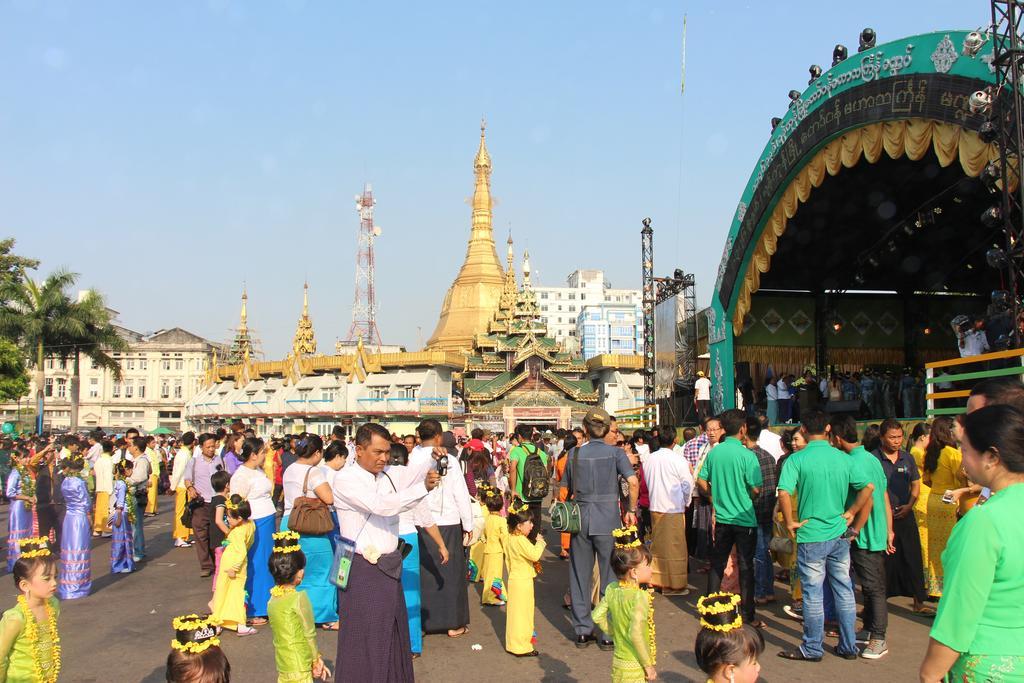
{"x": 12, "y": 266}
{"x": 13, "y": 373}
{"x": 37, "y": 316}
{"x": 93, "y": 336}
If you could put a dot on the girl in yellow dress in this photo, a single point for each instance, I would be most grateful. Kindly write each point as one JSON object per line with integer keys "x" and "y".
{"x": 919, "y": 439}
{"x": 727, "y": 650}
{"x": 495, "y": 539}
{"x": 942, "y": 472}
{"x": 29, "y": 641}
{"x": 523, "y": 559}
{"x": 228, "y": 605}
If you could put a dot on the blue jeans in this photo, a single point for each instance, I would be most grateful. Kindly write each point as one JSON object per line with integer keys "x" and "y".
{"x": 764, "y": 576}
{"x": 815, "y": 562}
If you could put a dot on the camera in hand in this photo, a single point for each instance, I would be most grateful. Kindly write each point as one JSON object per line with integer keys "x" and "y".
{"x": 441, "y": 464}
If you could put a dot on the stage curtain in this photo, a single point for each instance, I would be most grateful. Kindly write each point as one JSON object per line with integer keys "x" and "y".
{"x": 911, "y": 138}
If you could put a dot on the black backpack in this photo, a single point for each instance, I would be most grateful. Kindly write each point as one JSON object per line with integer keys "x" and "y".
{"x": 535, "y": 475}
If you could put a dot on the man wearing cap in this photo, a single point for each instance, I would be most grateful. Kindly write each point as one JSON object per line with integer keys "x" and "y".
{"x": 593, "y": 477}
{"x": 702, "y": 396}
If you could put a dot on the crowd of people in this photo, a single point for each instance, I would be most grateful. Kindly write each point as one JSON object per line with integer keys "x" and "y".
{"x": 380, "y": 538}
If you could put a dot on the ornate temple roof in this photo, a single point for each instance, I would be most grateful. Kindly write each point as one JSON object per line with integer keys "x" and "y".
{"x": 471, "y": 300}
{"x": 304, "y": 342}
{"x": 241, "y": 345}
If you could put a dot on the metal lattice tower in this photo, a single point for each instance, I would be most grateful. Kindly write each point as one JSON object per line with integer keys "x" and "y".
{"x": 364, "y": 306}
{"x": 1008, "y": 115}
{"x": 647, "y": 282}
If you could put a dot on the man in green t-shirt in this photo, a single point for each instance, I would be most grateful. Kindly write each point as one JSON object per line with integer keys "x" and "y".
{"x": 821, "y": 477}
{"x": 731, "y": 476}
{"x": 874, "y": 536}
{"x": 517, "y": 462}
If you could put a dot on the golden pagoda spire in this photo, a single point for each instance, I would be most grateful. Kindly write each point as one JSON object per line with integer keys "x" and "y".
{"x": 243, "y": 323}
{"x": 304, "y": 342}
{"x": 242, "y": 342}
{"x": 472, "y": 299}
{"x": 526, "y": 270}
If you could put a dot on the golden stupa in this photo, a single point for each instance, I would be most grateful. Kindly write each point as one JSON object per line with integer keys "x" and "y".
{"x": 474, "y": 296}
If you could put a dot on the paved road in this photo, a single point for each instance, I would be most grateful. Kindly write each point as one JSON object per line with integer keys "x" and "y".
{"x": 121, "y": 633}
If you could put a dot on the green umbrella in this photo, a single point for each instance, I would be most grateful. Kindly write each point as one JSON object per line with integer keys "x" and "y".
{"x": 161, "y": 430}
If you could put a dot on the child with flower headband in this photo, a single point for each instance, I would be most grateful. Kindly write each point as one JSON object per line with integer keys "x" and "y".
{"x": 228, "y": 604}
{"x": 290, "y": 613}
{"x": 626, "y": 612}
{"x": 492, "y": 568}
{"x": 29, "y": 642}
{"x": 121, "y": 519}
{"x": 523, "y": 560}
{"x": 195, "y": 655}
{"x": 727, "y": 649}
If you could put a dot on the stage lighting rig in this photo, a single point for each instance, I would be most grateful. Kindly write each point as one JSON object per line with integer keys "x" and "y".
{"x": 839, "y": 53}
{"x": 775, "y": 122}
{"x": 980, "y": 101}
{"x": 973, "y": 43}
{"x": 815, "y": 72}
{"x": 992, "y": 217}
{"x": 867, "y": 39}
{"x": 988, "y": 132}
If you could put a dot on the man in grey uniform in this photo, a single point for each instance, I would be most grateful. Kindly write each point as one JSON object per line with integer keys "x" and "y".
{"x": 595, "y": 471}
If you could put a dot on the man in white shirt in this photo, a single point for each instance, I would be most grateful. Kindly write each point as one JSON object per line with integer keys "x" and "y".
{"x": 141, "y": 471}
{"x": 182, "y": 534}
{"x": 702, "y": 396}
{"x": 444, "y": 600}
{"x": 643, "y": 450}
{"x": 373, "y": 638}
{"x": 103, "y": 471}
{"x": 769, "y": 440}
{"x": 670, "y": 486}
{"x": 785, "y": 399}
{"x": 95, "y": 448}
{"x": 973, "y": 342}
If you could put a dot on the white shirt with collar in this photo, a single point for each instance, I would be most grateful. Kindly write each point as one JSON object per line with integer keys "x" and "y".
{"x": 94, "y": 452}
{"x": 975, "y": 343}
{"x": 669, "y": 481}
{"x": 450, "y": 503}
{"x": 181, "y": 458}
{"x": 369, "y": 506}
{"x": 643, "y": 451}
{"x": 771, "y": 442}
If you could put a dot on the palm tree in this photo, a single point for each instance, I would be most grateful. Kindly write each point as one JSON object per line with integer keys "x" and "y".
{"x": 37, "y": 317}
{"x": 93, "y": 336}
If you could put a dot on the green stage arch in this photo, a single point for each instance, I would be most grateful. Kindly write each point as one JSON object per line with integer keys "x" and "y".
{"x": 879, "y": 111}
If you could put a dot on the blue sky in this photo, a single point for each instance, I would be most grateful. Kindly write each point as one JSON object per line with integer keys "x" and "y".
{"x": 169, "y": 152}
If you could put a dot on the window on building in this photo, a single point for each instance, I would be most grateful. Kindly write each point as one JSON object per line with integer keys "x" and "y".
{"x": 142, "y": 388}
{"x": 94, "y": 387}
{"x": 129, "y": 388}
{"x": 165, "y": 389}
{"x": 48, "y": 386}
{"x": 129, "y": 363}
{"x": 143, "y": 364}
{"x": 49, "y": 364}
{"x": 63, "y": 363}
{"x": 559, "y": 306}
{"x": 93, "y": 365}
{"x": 544, "y": 307}
{"x": 165, "y": 363}
{"x": 543, "y": 295}
{"x": 572, "y": 295}
{"x": 572, "y": 333}
{"x": 179, "y": 362}
{"x": 327, "y": 395}
{"x": 572, "y": 309}
{"x": 177, "y": 388}
{"x": 115, "y": 390}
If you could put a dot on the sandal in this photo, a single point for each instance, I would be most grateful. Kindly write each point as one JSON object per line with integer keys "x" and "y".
{"x": 332, "y": 626}
{"x": 925, "y": 611}
{"x": 758, "y": 624}
{"x": 458, "y": 633}
{"x": 258, "y": 621}
{"x": 798, "y": 656}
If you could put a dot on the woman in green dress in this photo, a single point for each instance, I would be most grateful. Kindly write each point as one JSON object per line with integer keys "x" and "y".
{"x": 978, "y": 633}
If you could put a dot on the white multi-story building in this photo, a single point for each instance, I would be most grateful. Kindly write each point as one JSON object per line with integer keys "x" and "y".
{"x": 160, "y": 372}
{"x": 610, "y": 328}
{"x": 560, "y": 307}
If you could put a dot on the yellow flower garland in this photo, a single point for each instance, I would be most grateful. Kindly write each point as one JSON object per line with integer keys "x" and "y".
{"x": 195, "y": 648}
{"x": 651, "y": 643}
{"x": 280, "y": 591}
{"x": 723, "y": 628}
{"x": 32, "y": 634}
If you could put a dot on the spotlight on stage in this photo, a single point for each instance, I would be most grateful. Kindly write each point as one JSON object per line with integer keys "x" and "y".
{"x": 815, "y": 72}
{"x": 1001, "y": 299}
{"x": 794, "y": 95}
{"x": 839, "y": 53}
{"x": 973, "y": 43}
{"x": 867, "y": 39}
{"x": 775, "y": 122}
{"x": 993, "y": 217}
{"x": 980, "y": 102}
{"x": 996, "y": 258}
{"x": 927, "y": 330}
{"x": 873, "y": 261}
{"x": 678, "y": 274}
{"x": 991, "y": 176}
{"x": 988, "y": 131}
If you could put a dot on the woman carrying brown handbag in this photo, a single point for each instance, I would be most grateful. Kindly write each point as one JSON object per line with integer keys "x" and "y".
{"x": 308, "y": 494}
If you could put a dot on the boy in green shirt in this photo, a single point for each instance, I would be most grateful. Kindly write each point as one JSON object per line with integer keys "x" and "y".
{"x": 874, "y": 537}
{"x": 731, "y": 476}
{"x": 822, "y": 475}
